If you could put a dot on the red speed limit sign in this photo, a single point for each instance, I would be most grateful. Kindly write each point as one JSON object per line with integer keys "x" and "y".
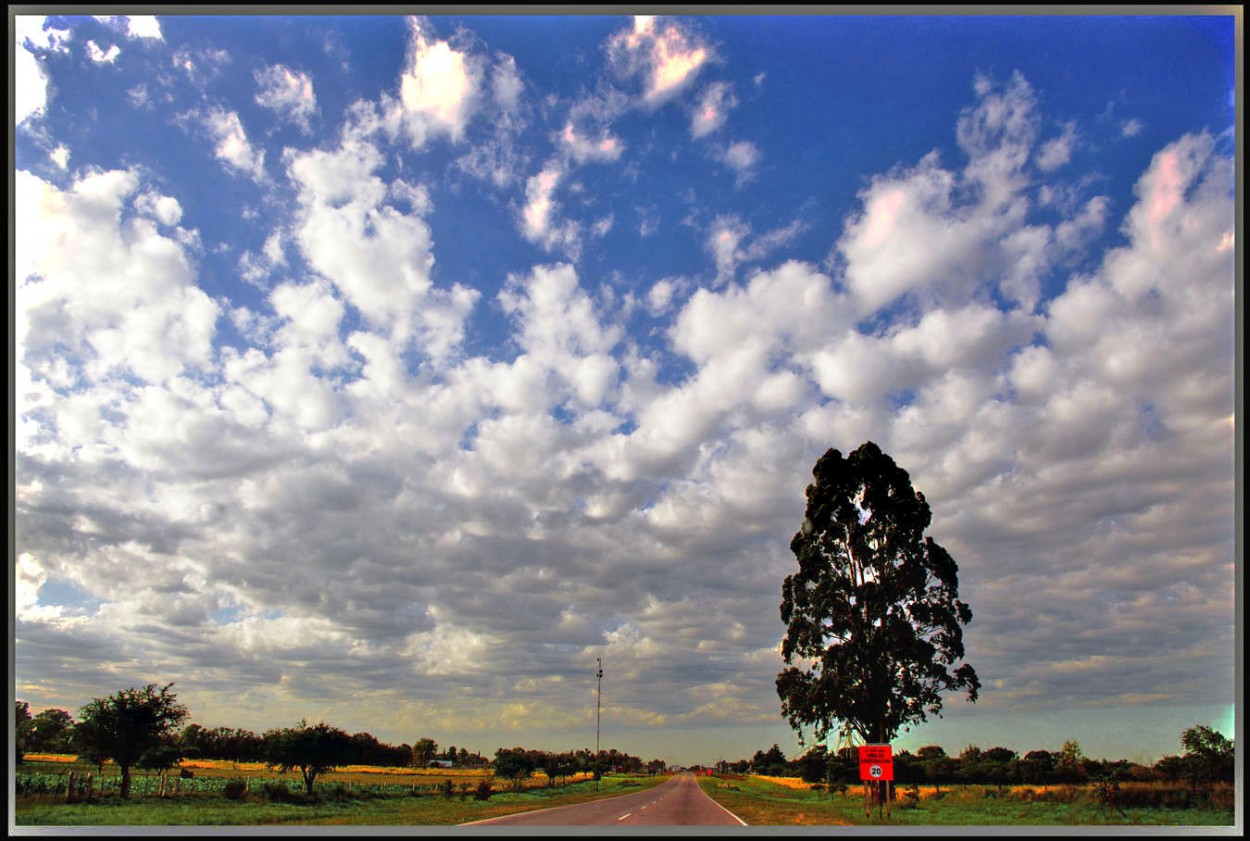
{"x": 876, "y": 764}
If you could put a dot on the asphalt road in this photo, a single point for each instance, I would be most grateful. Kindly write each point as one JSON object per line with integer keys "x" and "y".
{"x": 678, "y": 802}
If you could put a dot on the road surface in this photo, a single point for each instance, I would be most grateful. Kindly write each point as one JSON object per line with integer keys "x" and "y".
{"x": 678, "y": 802}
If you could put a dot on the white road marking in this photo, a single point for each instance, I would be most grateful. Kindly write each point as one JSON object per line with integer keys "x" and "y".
{"x": 624, "y": 816}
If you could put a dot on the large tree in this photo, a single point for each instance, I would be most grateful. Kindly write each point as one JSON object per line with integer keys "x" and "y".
{"x": 127, "y": 725}
{"x": 873, "y": 612}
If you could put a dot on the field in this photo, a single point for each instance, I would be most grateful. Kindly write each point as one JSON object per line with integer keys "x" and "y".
{"x": 369, "y": 796}
{"x": 351, "y": 796}
{"x": 785, "y": 801}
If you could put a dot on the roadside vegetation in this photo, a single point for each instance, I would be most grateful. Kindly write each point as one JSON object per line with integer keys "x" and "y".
{"x": 779, "y": 801}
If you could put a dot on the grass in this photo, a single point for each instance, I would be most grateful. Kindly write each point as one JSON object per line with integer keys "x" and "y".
{"x": 764, "y": 801}
{"x": 365, "y": 803}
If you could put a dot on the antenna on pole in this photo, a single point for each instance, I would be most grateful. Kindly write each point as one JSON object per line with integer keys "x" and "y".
{"x": 598, "y": 699}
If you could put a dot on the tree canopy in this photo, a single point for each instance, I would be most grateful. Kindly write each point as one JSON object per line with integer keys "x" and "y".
{"x": 312, "y": 748}
{"x": 873, "y": 614}
{"x": 127, "y": 725}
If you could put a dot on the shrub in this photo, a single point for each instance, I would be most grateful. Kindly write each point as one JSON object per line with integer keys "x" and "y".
{"x": 234, "y": 789}
{"x": 447, "y": 789}
{"x": 483, "y": 790}
{"x": 278, "y": 792}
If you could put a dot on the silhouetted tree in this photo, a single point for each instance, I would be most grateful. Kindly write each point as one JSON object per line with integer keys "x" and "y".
{"x": 873, "y": 614}
{"x": 1208, "y": 756}
{"x": 127, "y": 725}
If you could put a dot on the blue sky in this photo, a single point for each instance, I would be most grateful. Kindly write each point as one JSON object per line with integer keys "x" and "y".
{"x": 390, "y": 370}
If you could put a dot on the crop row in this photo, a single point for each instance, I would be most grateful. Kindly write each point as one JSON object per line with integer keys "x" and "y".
{"x": 37, "y": 783}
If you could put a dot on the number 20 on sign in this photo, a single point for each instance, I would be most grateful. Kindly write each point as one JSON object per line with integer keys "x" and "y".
{"x": 876, "y": 763}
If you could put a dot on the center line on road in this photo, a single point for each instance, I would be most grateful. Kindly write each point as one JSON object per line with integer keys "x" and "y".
{"x": 624, "y": 816}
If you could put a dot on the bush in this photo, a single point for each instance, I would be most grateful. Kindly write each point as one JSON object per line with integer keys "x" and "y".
{"x": 278, "y": 793}
{"x": 483, "y": 790}
{"x": 447, "y": 789}
{"x": 234, "y": 789}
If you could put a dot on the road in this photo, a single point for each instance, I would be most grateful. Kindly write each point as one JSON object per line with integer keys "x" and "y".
{"x": 678, "y": 802}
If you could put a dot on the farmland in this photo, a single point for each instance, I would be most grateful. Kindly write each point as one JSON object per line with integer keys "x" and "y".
{"x": 352, "y": 795}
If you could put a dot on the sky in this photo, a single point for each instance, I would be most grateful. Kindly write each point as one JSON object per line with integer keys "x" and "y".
{"x": 393, "y": 371}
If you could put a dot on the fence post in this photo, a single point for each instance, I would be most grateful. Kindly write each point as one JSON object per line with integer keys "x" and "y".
{"x": 69, "y": 788}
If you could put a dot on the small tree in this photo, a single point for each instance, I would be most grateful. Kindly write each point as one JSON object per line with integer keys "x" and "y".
{"x": 312, "y": 748}
{"x": 1208, "y": 757}
{"x": 51, "y": 731}
{"x": 127, "y": 725}
{"x": 22, "y": 729}
{"x": 423, "y": 750}
{"x": 514, "y": 764}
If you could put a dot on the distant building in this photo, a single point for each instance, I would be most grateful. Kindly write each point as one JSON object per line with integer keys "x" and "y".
{"x": 441, "y": 763}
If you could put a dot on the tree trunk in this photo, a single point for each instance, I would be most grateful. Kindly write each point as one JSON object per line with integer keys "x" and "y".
{"x": 125, "y": 784}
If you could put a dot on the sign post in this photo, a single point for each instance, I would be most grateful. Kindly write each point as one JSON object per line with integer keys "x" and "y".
{"x": 876, "y": 770}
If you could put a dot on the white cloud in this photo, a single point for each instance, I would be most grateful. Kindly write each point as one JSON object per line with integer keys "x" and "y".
{"x": 583, "y": 149}
{"x": 233, "y": 148}
{"x": 102, "y": 56}
{"x": 30, "y": 80}
{"x": 439, "y": 87}
{"x": 712, "y": 109}
{"x": 505, "y": 83}
{"x": 30, "y": 86}
{"x": 741, "y": 157}
{"x": 1056, "y": 152}
{"x": 539, "y": 221}
{"x": 377, "y": 256}
{"x": 134, "y": 26}
{"x": 288, "y": 92}
{"x": 97, "y": 279}
{"x": 916, "y": 235}
{"x": 144, "y": 26}
{"x": 663, "y": 51}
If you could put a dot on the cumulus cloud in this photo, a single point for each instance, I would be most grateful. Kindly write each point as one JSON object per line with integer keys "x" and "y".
{"x": 134, "y": 26}
{"x": 439, "y": 87}
{"x": 663, "y": 52}
{"x": 101, "y": 281}
{"x": 352, "y": 229}
{"x": 539, "y": 219}
{"x": 918, "y": 236}
{"x": 288, "y": 92}
{"x": 346, "y": 490}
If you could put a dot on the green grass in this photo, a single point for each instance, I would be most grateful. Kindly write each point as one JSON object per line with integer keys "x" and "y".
{"x": 764, "y": 803}
{"x": 343, "y": 809}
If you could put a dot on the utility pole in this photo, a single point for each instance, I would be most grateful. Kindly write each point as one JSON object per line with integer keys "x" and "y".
{"x": 598, "y": 699}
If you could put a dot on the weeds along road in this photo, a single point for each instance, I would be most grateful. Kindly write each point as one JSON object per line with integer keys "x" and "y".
{"x": 678, "y": 802}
